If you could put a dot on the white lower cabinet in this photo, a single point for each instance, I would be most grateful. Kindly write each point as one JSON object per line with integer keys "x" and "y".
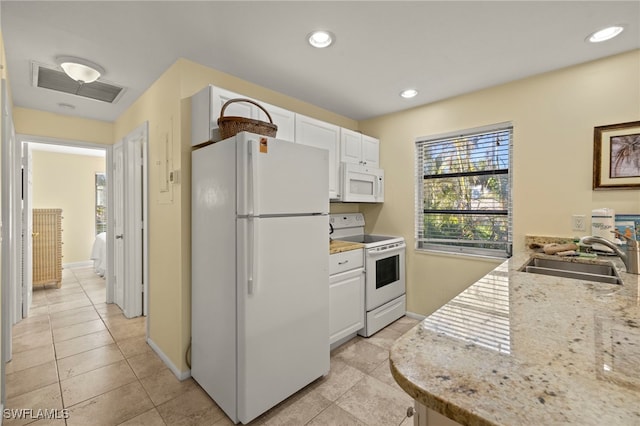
{"x": 346, "y": 294}
{"x": 424, "y": 416}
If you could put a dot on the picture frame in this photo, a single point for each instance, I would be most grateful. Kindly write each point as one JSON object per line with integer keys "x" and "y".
{"x": 616, "y": 156}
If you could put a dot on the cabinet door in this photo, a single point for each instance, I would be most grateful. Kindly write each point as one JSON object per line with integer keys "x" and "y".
{"x": 284, "y": 119}
{"x": 237, "y": 109}
{"x": 201, "y": 116}
{"x": 319, "y": 134}
{"x": 350, "y": 146}
{"x": 371, "y": 151}
{"x": 346, "y": 304}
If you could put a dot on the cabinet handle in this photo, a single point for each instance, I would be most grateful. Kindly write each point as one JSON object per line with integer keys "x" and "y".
{"x": 342, "y": 263}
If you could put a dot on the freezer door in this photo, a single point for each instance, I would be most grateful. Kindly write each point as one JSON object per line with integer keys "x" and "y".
{"x": 283, "y": 309}
{"x": 280, "y": 177}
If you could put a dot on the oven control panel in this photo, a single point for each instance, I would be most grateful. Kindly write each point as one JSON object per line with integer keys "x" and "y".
{"x": 386, "y": 247}
{"x": 346, "y": 220}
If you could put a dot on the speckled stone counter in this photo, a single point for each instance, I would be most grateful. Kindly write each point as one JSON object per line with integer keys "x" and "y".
{"x": 337, "y": 246}
{"x": 518, "y": 348}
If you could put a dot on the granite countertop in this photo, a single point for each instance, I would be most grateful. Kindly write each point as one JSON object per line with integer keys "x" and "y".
{"x": 338, "y": 246}
{"x": 518, "y": 348}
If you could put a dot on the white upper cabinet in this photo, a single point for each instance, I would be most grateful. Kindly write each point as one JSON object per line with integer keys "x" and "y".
{"x": 342, "y": 144}
{"x": 320, "y": 134}
{"x": 350, "y": 146}
{"x": 357, "y": 148}
{"x": 206, "y": 106}
{"x": 284, "y": 119}
{"x": 371, "y": 151}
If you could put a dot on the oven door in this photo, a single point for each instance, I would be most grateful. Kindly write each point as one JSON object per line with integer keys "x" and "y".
{"x": 384, "y": 274}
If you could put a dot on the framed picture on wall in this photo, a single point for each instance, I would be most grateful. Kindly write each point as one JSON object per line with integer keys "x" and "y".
{"x": 616, "y": 156}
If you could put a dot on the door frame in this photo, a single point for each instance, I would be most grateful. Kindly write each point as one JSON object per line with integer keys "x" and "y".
{"x": 6, "y": 232}
{"x": 26, "y": 240}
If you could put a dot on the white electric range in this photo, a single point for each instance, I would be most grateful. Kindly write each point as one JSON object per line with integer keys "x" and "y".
{"x": 385, "y": 298}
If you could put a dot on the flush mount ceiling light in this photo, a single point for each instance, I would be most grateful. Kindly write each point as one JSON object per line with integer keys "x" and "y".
{"x": 320, "y": 39}
{"x": 409, "y": 93}
{"x": 605, "y": 34}
{"x": 80, "y": 69}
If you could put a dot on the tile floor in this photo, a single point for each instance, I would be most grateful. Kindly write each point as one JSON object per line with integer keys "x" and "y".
{"x": 77, "y": 353}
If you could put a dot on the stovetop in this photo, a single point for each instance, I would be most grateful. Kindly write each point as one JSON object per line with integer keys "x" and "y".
{"x": 367, "y": 239}
{"x": 350, "y": 227}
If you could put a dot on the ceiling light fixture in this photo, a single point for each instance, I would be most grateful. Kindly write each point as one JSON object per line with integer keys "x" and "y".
{"x": 409, "y": 93}
{"x": 320, "y": 39}
{"x": 80, "y": 69}
{"x": 605, "y": 34}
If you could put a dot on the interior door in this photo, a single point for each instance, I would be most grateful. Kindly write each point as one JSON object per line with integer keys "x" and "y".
{"x": 134, "y": 196}
{"x": 27, "y": 226}
{"x": 118, "y": 224}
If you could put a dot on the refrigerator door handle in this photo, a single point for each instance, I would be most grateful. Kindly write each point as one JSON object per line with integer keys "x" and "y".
{"x": 252, "y": 282}
{"x": 253, "y": 178}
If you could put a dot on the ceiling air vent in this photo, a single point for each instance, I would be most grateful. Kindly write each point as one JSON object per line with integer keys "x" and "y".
{"x": 51, "y": 78}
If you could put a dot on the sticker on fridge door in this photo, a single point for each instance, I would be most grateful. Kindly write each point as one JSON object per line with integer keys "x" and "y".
{"x": 263, "y": 145}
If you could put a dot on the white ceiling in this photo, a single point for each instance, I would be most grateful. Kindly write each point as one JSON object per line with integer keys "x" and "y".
{"x": 442, "y": 48}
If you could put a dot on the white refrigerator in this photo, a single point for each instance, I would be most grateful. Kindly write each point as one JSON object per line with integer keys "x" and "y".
{"x": 260, "y": 268}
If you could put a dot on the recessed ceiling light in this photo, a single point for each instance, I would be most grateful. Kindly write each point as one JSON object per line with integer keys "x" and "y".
{"x": 605, "y": 34}
{"x": 409, "y": 93}
{"x": 320, "y": 39}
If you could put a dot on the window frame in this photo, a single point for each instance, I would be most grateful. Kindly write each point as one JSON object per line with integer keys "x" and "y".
{"x": 421, "y": 244}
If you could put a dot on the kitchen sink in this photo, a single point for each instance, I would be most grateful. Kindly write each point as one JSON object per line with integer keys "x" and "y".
{"x": 598, "y": 272}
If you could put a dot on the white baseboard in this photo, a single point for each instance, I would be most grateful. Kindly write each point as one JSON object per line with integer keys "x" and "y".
{"x": 415, "y": 316}
{"x": 181, "y": 375}
{"x": 83, "y": 264}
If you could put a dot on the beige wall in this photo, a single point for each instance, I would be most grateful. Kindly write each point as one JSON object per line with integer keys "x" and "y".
{"x": 47, "y": 124}
{"x": 67, "y": 182}
{"x": 553, "y": 116}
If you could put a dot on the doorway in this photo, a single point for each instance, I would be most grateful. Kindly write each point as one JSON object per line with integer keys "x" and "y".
{"x": 58, "y": 178}
{"x": 125, "y": 184}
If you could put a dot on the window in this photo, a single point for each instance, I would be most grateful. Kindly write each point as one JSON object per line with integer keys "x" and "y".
{"x": 464, "y": 192}
{"x": 101, "y": 203}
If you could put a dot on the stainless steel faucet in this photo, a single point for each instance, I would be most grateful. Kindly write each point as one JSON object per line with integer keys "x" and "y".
{"x": 631, "y": 258}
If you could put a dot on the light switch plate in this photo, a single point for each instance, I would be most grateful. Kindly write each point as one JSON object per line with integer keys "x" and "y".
{"x": 578, "y": 222}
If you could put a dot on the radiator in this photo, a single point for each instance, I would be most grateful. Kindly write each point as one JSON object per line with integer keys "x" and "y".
{"x": 47, "y": 247}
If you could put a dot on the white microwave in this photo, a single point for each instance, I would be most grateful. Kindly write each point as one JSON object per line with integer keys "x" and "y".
{"x": 362, "y": 184}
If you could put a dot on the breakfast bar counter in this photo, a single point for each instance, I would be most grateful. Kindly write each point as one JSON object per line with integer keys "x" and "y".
{"x": 519, "y": 348}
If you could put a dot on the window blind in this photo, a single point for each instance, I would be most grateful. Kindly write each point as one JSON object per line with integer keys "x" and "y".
{"x": 464, "y": 192}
